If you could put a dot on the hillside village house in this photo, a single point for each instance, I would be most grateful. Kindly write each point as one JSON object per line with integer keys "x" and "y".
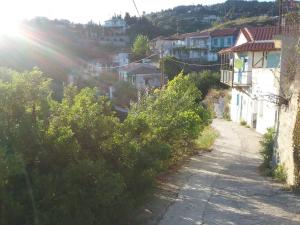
{"x": 196, "y": 46}
{"x": 143, "y": 76}
{"x": 252, "y": 69}
{"x": 115, "y": 22}
{"x": 113, "y": 32}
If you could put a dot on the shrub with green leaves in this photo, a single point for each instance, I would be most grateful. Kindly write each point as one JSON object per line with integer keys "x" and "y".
{"x": 73, "y": 162}
{"x": 267, "y": 144}
{"x": 279, "y": 173}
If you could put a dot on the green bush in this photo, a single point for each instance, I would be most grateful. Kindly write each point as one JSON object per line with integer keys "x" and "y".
{"x": 73, "y": 162}
{"x": 279, "y": 173}
{"x": 205, "y": 81}
{"x": 267, "y": 144}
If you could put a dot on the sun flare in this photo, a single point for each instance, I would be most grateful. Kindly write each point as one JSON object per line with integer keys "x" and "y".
{"x": 11, "y": 28}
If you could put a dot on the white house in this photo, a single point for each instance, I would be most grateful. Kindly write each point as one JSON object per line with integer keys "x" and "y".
{"x": 252, "y": 69}
{"x": 196, "y": 46}
{"x": 115, "y": 22}
{"x": 121, "y": 59}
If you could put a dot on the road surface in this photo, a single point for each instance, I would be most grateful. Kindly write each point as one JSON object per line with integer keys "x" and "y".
{"x": 225, "y": 188}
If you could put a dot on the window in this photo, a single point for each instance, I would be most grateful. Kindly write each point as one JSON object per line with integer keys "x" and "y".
{"x": 229, "y": 41}
{"x": 222, "y": 42}
{"x": 237, "y": 99}
{"x": 216, "y": 43}
{"x": 273, "y": 60}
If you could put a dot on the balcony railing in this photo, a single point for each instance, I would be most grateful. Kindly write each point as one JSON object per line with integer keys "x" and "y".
{"x": 236, "y": 79}
{"x": 227, "y": 77}
{"x": 198, "y": 46}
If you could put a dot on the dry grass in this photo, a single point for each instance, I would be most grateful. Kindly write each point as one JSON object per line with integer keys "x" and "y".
{"x": 207, "y": 138}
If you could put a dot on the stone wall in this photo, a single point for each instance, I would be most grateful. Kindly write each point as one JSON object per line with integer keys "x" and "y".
{"x": 290, "y": 89}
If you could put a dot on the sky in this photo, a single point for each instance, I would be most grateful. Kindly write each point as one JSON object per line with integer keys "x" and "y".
{"x": 82, "y": 11}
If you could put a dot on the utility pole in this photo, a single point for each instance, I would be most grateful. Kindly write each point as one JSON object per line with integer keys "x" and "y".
{"x": 280, "y": 15}
{"x": 162, "y": 78}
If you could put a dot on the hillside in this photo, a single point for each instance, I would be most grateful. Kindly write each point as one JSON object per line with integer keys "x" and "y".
{"x": 248, "y": 21}
{"x": 184, "y": 19}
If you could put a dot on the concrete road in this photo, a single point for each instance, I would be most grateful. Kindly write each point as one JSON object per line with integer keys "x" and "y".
{"x": 224, "y": 187}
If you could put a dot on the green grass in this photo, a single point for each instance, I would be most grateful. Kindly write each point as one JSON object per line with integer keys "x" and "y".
{"x": 207, "y": 138}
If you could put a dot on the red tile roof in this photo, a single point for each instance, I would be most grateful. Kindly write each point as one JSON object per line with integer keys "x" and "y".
{"x": 245, "y": 31}
{"x": 267, "y": 33}
{"x": 199, "y": 34}
{"x": 252, "y": 47}
{"x": 224, "y": 32}
{"x": 258, "y": 39}
{"x": 263, "y": 33}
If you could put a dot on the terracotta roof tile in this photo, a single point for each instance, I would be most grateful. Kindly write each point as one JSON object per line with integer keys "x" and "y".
{"x": 224, "y": 32}
{"x": 261, "y": 38}
{"x": 199, "y": 34}
{"x": 264, "y": 33}
{"x": 251, "y": 47}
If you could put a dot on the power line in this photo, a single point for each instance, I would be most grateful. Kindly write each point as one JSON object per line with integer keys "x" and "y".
{"x": 193, "y": 64}
{"x": 137, "y": 61}
{"x": 136, "y": 8}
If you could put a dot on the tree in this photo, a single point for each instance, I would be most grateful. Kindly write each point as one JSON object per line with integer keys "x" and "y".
{"x": 170, "y": 67}
{"x": 141, "y": 47}
{"x": 205, "y": 80}
{"x": 73, "y": 162}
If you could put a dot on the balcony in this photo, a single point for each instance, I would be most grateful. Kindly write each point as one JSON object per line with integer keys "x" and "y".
{"x": 236, "y": 79}
{"x": 227, "y": 77}
{"x": 198, "y": 46}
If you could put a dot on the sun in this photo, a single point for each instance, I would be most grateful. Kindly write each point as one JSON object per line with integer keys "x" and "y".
{"x": 10, "y": 28}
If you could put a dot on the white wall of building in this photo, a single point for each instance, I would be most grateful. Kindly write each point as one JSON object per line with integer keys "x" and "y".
{"x": 255, "y": 103}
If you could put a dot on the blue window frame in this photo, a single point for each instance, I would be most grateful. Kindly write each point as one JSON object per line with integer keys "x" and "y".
{"x": 229, "y": 42}
{"x": 216, "y": 43}
{"x": 222, "y": 42}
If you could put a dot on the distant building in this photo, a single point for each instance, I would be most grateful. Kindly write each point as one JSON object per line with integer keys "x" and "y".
{"x": 121, "y": 59}
{"x": 223, "y": 38}
{"x": 115, "y": 22}
{"x": 143, "y": 76}
{"x": 197, "y": 46}
{"x": 113, "y": 32}
{"x": 99, "y": 65}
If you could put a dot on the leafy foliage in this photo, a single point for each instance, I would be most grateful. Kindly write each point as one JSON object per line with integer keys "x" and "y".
{"x": 73, "y": 162}
{"x": 267, "y": 144}
{"x": 279, "y": 173}
{"x": 141, "y": 47}
{"x": 206, "y": 80}
{"x": 170, "y": 67}
{"x": 184, "y": 19}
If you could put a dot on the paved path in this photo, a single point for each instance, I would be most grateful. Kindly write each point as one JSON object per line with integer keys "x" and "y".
{"x": 224, "y": 187}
